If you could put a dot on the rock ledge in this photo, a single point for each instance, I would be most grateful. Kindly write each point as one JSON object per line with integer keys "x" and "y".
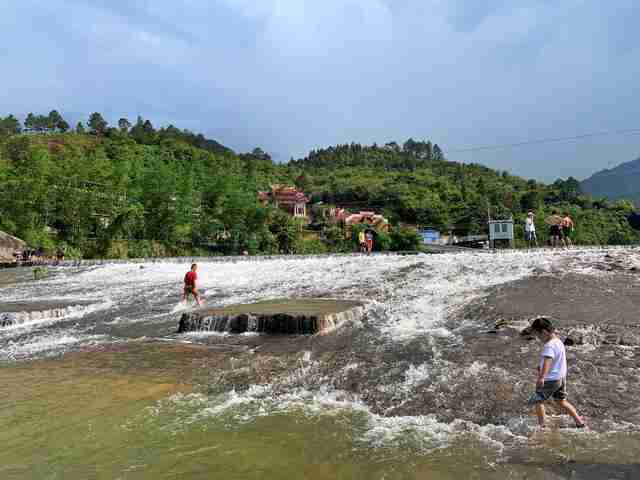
{"x": 282, "y": 316}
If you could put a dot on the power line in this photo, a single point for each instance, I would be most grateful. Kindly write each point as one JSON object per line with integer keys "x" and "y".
{"x": 631, "y": 131}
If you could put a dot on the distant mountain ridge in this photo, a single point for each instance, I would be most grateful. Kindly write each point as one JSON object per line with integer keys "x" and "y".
{"x": 622, "y": 181}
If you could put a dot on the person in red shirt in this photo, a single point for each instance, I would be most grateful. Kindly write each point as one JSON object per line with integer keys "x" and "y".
{"x": 190, "y": 284}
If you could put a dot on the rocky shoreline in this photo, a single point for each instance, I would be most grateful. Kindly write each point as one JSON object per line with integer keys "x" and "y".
{"x": 596, "y": 315}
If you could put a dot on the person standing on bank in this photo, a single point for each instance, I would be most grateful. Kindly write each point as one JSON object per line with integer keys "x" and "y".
{"x": 567, "y": 229}
{"x": 369, "y": 240}
{"x": 362, "y": 241}
{"x": 190, "y": 285}
{"x": 530, "y": 230}
{"x": 551, "y": 381}
{"x": 555, "y": 230}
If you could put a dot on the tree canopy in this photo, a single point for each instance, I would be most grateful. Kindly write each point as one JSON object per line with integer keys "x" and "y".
{"x": 94, "y": 189}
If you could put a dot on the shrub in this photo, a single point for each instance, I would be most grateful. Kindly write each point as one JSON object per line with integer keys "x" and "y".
{"x": 404, "y": 239}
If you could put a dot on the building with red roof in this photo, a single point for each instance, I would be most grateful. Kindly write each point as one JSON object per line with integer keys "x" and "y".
{"x": 348, "y": 220}
{"x": 287, "y": 198}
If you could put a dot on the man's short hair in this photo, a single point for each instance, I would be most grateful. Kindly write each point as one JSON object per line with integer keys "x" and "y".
{"x": 542, "y": 323}
{"x": 193, "y": 265}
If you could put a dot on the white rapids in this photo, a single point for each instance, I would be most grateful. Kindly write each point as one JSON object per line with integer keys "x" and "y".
{"x": 412, "y": 293}
{"x": 408, "y": 297}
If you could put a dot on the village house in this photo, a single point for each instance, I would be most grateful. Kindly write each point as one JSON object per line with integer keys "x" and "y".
{"x": 341, "y": 217}
{"x": 287, "y": 198}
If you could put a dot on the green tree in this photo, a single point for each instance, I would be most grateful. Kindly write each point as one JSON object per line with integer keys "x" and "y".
{"x": 404, "y": 239}
{"x": 285, "y": 231}
{"x": 62, "y": 126}
{"x": 9, "y": 125}
{"x": 124, "y": 125}
{"x": 97, "y": 124}
{"x": 437, "y": 153}
{"x": 53, "y": 120}
{"x": 30, "y": 122}
{"x": 41, "y": 123}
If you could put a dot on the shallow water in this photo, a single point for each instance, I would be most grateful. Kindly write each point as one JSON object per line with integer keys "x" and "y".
{"x": 110, "y": 391}
{"x": 133, "y": 412}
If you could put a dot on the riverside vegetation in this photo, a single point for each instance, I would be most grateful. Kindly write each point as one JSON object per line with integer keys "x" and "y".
{"x": 134, "y": 190}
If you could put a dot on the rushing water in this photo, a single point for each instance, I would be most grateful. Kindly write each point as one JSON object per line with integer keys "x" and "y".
{"x": 105, "y": 388}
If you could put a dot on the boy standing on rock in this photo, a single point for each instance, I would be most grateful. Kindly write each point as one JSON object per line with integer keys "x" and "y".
{"x": 552, "y": 373}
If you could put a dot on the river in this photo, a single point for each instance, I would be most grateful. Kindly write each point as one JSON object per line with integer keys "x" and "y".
{"x": 102, "y": 386}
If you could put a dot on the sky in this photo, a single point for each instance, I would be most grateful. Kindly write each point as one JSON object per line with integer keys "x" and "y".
{"x": 293, "y": 75}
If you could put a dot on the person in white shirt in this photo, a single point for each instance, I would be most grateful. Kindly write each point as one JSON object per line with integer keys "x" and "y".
{"x": 530, "y": 230}
{"x": 552, "y": 373}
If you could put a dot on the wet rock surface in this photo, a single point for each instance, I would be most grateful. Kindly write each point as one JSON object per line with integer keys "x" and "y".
{"x": 618, "y": 261}
{"x": 596, "y": 316}
{"x": 482, "y": 373}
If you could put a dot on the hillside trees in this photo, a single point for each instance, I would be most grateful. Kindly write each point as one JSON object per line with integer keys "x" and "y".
{"x": 9, "y": 125}
{"x": 97, "y": 124}
{"x": 139, "y": 183}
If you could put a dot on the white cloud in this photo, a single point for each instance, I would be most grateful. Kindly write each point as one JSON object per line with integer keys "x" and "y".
{"x": 291, "y": 75}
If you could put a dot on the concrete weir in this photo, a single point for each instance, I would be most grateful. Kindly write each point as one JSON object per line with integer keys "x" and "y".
{"x": 283, "y": 316}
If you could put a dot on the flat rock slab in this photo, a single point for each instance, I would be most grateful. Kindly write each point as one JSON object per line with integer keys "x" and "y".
{"x": 281, "y": 316}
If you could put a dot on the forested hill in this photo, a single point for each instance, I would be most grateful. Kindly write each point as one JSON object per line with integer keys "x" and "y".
{"x": 622, "y": 181}
{"x": 414, "y": 183}
{"x": 92, "y": 186}
{"x": 135, "y": 190}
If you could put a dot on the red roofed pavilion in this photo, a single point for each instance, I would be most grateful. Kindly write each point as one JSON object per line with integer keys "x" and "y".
{"x": 289, "y": 199}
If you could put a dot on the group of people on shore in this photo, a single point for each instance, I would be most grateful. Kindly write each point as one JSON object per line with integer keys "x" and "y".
{"x": 365, "y": 238}
{"x": 559, "y": 231}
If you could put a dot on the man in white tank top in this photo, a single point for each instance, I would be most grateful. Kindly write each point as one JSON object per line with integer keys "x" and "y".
{"x": 530, "y": 231}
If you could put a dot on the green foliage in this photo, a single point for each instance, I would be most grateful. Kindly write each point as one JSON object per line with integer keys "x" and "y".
{"x": 382, "y": 242}
{"x": 285, "y": 231}
{"x": 9, "y": 125}
{"x": 335, "y": 239}
{"x": 137, "y": 190}
{"x": 97, "y": 124}
{"x": 404, "y": 239}
{"x": 310, "y": 247}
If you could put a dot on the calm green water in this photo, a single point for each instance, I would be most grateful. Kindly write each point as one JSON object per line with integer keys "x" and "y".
{"x": 135, "y": 413}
